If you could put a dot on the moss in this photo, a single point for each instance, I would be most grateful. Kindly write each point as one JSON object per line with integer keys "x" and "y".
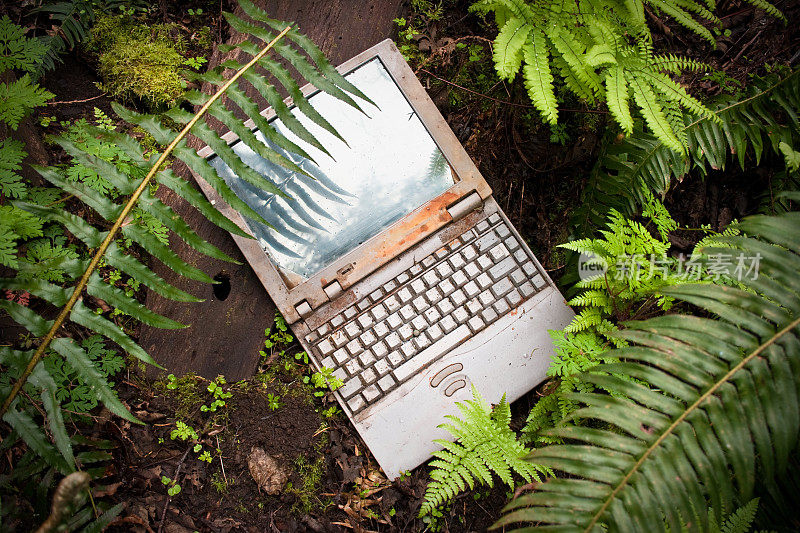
{"x": 306, "y": 492}
{"x": 137, "y": 61}
{"x": 186, "y": 390}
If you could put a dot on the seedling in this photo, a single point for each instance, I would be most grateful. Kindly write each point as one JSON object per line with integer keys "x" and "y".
{"x": 273, "y": 401}
{"x": 174, "y": 487}
{"x": 216, "y": 390}
{"x": 183, "y": 431}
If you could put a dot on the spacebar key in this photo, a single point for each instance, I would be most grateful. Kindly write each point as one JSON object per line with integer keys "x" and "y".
{"x": 432, "y": 353}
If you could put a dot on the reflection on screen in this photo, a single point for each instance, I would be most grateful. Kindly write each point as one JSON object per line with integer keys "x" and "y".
{"x": 391, "y": 167}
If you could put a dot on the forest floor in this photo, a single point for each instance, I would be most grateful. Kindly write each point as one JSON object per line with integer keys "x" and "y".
{"x": 333, "y": 484}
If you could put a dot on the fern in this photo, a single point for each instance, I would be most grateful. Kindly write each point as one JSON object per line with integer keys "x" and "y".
{"x": 705, "y": 407}
{"x": 603, "y": 51}
{"x": 484, "y": 445}
{"x": 626, "y": 173}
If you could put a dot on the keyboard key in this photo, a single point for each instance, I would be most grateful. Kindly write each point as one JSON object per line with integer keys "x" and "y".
{"x": 371, "y": 393}
{"x": 457, "y": 262}
{"x": 422, "y": 342}
{"x": 389, "y": 286}
{"x": 376, "y": 295}
{"x": 444, "y": 270}
{"x": 526, "y": 289}
{"x": 386, "y": 383}
{"x": 432, "y": 315}
{"x": 420, "y": 304}
{"x": 502, "y": 230}
{"x": 455, "y": 243}
{"x": 382, "y": 367}
{"x": 434, "y": 332}
{"x": 369, "y": 375}
{"x": 414, "y": 270}
{"x": 337, "y": 321}
{"x": 458, "y": 297}
{"x": 340, "y": 373}
{"x": 445, "y": 307}
{"x": 363, "y": 304}
{"x": 428, "y": 261}
{"x": 379, "y": 312}
{"x": 446, "y": 287}
{"x": 380, "y": 350}
{"x": 460, "y": 315}
{"x": 381, "y": 330}
{"x": 367, "y": 358}
{"x": 325, "y": 347}
{"x": 520, "y": 255}
{"x": 484, "y": 280}
{"x": 539, "y": 282}
{"x": 482, "y": 226}
{"x": 356, "y": 403}
{"x": 323, "y": 330}
{"x": 475, "y": 324}
{"x": 365, "y": 320}
{"x": 350, "y": 312}
{"x": 499, "y": 252}
{"x": 405, "y": 295}
{"x": 402, "y": 278}
{"x": 367, "y": 338}
{"x": 392, "y": 304}
{"x": 339, "y": 338}
{"x": 394, "y": 320}
{"x": 328, "y": 362}
{"x": 406, "y": 331}
{"x": 418, "y": 286}
{"x": 489, "y": 315}
{"x": 468, "y": 235}
{"x": 419, "y": 323}
{"x": 472, "y": 270}
{"x": 502, "y": 287}
{"x": 501, "y": 307}
{"x": 474, "y": 306}
{"x": 448, "y": 324}
{"x": 433, "y": 296}
{"x": 430, "y": 278}
{"x": 486, "y": 298}
{"x": 486, "y": 242}
{"x": 494, "y": 218}
{"x": 354, "y": 347}
{"x": 512, "y": 243}
{"x": 395, "y": 358}
{"x": 518, "y": 277}
{"x": 471, "y": 289}
{"x": 484, "y": 262}
{"x": 431, "y": 354}
{"x": 352, "y": 366}
{"x": 529, "y": 269}
{"x": 350, "y": 387}
{"x": 352, "y": 329}
{"x": 459, "y": 278}
{"x": 469, "y": 253}
{"x": 408, "y": 349}
{"x": 341, "y": 355}
{"x": 407, "y": 312}
{"x": 514, "y": 298}
{"x": 312, "y": 337}
{"x": 393, "y": 340}
{"x": 441, "y": 252}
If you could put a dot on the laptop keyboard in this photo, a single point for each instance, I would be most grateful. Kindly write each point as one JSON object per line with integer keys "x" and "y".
{"x": 413, "y": 320}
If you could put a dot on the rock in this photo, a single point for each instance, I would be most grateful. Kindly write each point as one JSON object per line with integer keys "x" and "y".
{"x": 269, "y": 474}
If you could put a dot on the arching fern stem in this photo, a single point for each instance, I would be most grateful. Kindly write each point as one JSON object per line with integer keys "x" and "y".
{"x": 65, "y": 311}
{"x": 724, "y": 379}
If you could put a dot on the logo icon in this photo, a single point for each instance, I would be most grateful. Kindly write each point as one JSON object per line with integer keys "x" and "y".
{"x": 591, "y": 265}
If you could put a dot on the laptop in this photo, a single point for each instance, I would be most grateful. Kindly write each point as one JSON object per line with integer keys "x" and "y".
{"x": 395, "y": 266}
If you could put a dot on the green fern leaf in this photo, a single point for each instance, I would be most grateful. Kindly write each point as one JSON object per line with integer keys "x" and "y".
{"x": 617, "y": 98}
{"x": 508, "y": 47}
{"x": 35, "y": 438}
{"x": 653, "y": 114}
{"x": 19, "y": 98}
{"x": 538, "y": 78}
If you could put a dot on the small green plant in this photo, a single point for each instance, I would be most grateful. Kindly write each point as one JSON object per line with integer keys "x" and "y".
{"x": 323, "y": 381}
{"x": 195, "y": 62}
{"x": 273, "y": 401}
{"x": 218, "y": 393}
{"x": 205, "y": 456}
{"x": 183, "y": 431}
{"x": 277, "y": 340}
{"x": 195, "y": 12}
{"x": 173, "y": 488}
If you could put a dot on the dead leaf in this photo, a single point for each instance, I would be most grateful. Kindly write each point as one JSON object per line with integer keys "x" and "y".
{"x": 267, "y": 471}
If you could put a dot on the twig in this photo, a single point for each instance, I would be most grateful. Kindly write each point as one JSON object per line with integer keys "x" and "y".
{"x": 175, "y": 480}
{"x": 220, "y": 462}
{"x": 77, "y": 101}
{"x": 527, "y": 106}
{"x": 745, "y": 47}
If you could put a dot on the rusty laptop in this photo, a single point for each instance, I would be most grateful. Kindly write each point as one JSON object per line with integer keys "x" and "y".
{"x": 395, "y": 267}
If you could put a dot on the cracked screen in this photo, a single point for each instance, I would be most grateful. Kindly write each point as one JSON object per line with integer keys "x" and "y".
{"x": 391, "y": 167}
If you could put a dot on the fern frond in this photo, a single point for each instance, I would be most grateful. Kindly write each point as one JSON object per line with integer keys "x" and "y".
{"x": 538, "y": 78}
{"x": 507, "y": 48}
{"x": 653, "y": 113}
{"x": 695, "y": 420}
{"x": 485, "y": 445}
{"x": 617, "y": 98}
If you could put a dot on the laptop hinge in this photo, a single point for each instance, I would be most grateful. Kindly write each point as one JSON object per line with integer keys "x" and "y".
{"x": 464, "y": 206}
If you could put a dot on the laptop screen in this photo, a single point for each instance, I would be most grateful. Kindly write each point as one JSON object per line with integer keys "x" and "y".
{"x": 391, "y": 167}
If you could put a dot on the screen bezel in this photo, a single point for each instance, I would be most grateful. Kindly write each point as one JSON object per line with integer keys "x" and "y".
{"x": 355, "y": 265}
